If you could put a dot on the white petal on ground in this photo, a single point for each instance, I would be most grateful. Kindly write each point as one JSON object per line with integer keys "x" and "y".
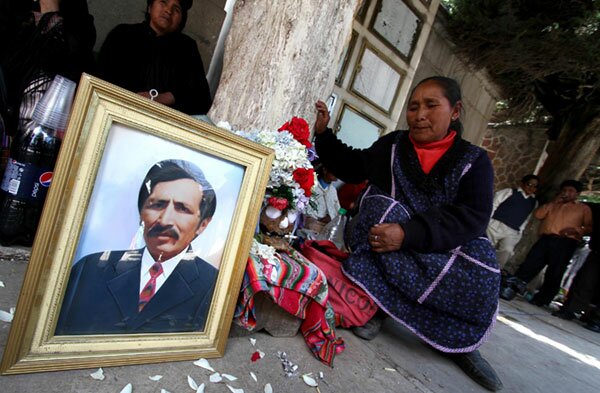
{"x": 156, "y": 377}
{"x": 127, "y": 389}
{"x": 12, "y": 310}
{"x": 268, "y": 388}
{"x": 216, "y": 377}
{"x": 99, "y": 375}
{"x": 389, "y": 369}
{"x": 1, "y": 284}
{"x": 200, "y": 388}
{"x": 253, "y": 341}
{"x": 309, "y": 380}
{"x": 229, "y": 377}
{"x": 234, "y": 390}
{"x": 5, "y": 316}
{"x": 321, "y": 374}
{"x": 204, "y": 364}
{"x": 253, "y": 376}
{"x": 164, "y": 391}
{"x": 192, "y": 383}
{"x": 261, "y": 354}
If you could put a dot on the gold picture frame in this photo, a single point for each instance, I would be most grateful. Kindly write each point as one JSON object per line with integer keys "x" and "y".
{"x": 114, "y": 136}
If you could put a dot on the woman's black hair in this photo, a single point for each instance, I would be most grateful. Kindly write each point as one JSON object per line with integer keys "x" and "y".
{"x": 185, "y": 6}
{"x": 452, "y": 92}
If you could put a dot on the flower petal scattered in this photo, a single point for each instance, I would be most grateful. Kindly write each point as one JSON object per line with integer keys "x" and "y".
{"x": 216, "y": 377}
{"x": 253, "y": 376}
{"x": 127, "y": 389}
{"x": 192, "y": 383}
{"x": 268, "y": 388}
{"x": 156, "y": 377}
{"x": 234, "y": 390}
{"x": 5, "y": 316}
{"x": 310, "y": 381}
{"x": 99, "y": 375}
{"x": 204, "y": 364}
{"x": 253, "y": 341}
{"x": 229, "y": 377}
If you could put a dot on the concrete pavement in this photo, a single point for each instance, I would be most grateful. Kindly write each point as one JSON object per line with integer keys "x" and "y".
{"x": 531, "y": 350}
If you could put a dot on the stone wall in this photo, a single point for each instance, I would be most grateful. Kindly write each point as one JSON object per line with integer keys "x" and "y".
{"x": 514, "y": 151}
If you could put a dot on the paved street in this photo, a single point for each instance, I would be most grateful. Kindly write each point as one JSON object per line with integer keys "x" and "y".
{"x": 531, "y": 350}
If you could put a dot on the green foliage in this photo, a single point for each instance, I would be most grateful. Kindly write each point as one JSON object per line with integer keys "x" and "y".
{"x": 536, "y": 51}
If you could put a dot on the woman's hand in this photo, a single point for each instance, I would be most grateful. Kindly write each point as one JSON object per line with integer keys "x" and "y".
{"x": 386, "y": 237}
{"x": 322, "y": 117}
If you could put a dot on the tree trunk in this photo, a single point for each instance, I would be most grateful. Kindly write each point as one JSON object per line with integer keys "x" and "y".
{"x": 280, "y": 58}
{"x": 572, "y": 154}
{"x": 575, "y": 148}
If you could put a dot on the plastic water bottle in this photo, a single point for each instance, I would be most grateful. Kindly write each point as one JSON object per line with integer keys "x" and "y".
{"x": 334, "y": 230}
{"x": 29, "y": 170}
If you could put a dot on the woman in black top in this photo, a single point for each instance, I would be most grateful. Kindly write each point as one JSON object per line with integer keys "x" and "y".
{"x": 155, "y": 54}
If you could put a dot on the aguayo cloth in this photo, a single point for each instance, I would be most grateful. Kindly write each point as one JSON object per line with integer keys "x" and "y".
{"x": 300, "y": 288}
{"x": 351, "y": 305}
{"x": 448, "y": 299}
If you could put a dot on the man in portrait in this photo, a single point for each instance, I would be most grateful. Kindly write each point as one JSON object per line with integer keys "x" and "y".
{"x": 162, "y": 287}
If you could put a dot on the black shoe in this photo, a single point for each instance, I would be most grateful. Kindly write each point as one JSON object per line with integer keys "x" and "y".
{"x": 369, "y": 330}
{"x": 478, "y": 369}
{"x": 594, "y": 327}
{"x": 512, "y": 286}
{"x": 507, "y": 293}
{"x": 537, "y": 302}
{"x": 562, "y": 313}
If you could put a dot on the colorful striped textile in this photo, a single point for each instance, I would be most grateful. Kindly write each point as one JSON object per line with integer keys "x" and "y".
{"x": 300, "y": 288}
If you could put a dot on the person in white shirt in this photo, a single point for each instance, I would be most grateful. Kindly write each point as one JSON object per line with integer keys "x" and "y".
{"x": 512, "y": 208}
{"x": 324, "y": 204}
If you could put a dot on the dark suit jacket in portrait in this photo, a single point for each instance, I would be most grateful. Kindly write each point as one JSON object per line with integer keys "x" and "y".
{"x": 103, "y": 293}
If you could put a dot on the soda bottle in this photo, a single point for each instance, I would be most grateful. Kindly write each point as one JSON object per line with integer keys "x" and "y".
{"x": 29, "y": 170}
{"x": 27, "y": 176}
{"x": 334, "y": 230}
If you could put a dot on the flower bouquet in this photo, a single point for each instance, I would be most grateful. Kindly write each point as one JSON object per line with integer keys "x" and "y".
{"x": 290, "y": 182}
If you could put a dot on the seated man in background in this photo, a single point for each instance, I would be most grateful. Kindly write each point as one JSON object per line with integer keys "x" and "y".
{"x": 512, "y": 209}
{"x": 156, "y": 55}
{"x": 324, "y": 204}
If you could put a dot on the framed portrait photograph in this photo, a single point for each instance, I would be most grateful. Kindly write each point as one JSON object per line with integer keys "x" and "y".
{"x": 143, "y": 241}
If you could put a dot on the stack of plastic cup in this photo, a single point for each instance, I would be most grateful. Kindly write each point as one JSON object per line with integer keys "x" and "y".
{"x": 54, "y": 108}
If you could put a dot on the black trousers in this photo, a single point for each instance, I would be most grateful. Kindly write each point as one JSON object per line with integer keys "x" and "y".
{"x": 553, "y": 251}
{"x": 585, "y": 285}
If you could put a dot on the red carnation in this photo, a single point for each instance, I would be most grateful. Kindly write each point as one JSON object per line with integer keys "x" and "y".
{"x": 298, "y": 127}
{"x": 305, "y": 178}
{"x": 278, "y": 203}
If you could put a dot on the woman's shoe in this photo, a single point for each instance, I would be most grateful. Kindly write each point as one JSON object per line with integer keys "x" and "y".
{"x": 478, "y": 369}
{"x": 369, "y": 330}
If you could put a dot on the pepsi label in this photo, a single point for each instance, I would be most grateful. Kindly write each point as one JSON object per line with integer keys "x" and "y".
{"x": 26, "y": 181}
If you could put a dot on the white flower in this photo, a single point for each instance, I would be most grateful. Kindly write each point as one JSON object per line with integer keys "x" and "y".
{"x": 289, "y": 156}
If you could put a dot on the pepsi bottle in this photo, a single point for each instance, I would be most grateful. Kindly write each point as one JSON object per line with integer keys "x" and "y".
{"x": 27, "y": 176}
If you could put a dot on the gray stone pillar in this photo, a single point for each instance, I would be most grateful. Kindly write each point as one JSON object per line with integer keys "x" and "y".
{"x": 280, "y": 57}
